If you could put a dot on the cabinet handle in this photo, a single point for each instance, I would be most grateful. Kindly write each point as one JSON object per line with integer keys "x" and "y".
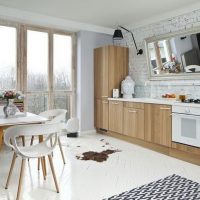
{"x": 132, "y": 111}
{"x": 104, "y": 102}
{"x": 115, "y": 103}
{"x": 104, "y": 96}
{"x": 165, "y": 108}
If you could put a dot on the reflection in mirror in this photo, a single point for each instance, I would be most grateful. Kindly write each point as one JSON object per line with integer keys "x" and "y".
{"x": 178, "y": 55}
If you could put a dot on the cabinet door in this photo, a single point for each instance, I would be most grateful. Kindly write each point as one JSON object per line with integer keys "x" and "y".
{"x": 97, "y": 113}
{"x": 101, "y": 114}
{"x": 104, "y": 114}
{"x": 158, "y": 124}
{"x": 101, "y": 72}
{"x": 134, "y": 122}
{"x": 116, "y": 116}
{"x": 118, "y": 66}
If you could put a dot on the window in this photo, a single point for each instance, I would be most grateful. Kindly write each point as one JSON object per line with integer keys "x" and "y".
{"x": 8, "y": 58}
{"x": 62, "y": 62}
{"x": 37, "y": 71}
{"x": 37, "y": 61}
{"x": 62, "y": 71}
{"x": 44, "y": 72}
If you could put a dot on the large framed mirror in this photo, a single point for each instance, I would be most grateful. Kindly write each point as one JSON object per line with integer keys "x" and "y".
{"x": 174, "y": 55}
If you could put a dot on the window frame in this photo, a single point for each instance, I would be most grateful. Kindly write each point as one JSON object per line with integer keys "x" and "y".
{"x": 21, "y": 76}
{"x": 18, "y": 50}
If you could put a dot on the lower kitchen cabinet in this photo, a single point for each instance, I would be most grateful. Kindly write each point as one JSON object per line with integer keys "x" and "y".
{"x": 116, "y": 116}
{"x": 145, "y": 121}
{"x": 101, "y": 115}
{"x": 158, "y": 124}
{"x": 134, "y": 122}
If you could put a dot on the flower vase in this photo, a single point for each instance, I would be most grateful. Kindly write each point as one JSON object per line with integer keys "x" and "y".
{"x": 9, "y": 109}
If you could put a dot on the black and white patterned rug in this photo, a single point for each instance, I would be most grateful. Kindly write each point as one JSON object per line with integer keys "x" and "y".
{"x": 170, "y": 188}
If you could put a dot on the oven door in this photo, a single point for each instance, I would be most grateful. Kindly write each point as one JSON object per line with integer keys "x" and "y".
{"x": 186, "y": 129}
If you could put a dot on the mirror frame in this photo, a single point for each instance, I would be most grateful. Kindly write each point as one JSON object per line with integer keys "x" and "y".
{"x": 184, "y": 76}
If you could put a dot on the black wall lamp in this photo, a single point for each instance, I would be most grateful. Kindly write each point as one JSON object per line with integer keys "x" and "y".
{"x": 119, "y": 36}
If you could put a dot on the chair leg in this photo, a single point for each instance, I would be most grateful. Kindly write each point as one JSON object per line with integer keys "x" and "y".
{"x": 23, "y": 141}
{"x": 32, "y": 139}
{"x": 20, "y": 178}
{"x": 11, "y": 169}
{"x": 43, "y": 168}
{"x": 61, "y": 150}
{"x": 53, "y": 172}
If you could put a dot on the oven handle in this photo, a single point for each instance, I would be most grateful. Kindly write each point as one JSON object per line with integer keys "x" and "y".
{"x": 185, "y": 115}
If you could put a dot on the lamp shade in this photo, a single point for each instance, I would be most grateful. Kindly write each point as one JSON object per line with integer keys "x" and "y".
{"x": 117, "y": 35}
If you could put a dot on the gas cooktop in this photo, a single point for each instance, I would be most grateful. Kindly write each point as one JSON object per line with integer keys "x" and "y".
{"x": 192, "y": 101}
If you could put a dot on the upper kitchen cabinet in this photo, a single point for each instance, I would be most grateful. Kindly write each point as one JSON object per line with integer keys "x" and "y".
{"x": 158, "y": 124}
{"x": 118, "y": 67}
{"x": 110, "y": 68}
{"x": 101, "y": 72}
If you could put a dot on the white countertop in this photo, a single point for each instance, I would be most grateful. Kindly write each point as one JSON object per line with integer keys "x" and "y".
{"x": 156, "y": 101}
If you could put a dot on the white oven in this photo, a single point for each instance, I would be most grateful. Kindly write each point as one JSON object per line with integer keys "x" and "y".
{"x": 186, "y": 125}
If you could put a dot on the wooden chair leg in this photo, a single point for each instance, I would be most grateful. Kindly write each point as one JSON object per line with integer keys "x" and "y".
{"x": 11, "y": 170}
{"x": 23, "y": 141}
{"x": 43, "y": 168}
{"x": 61, "y": 150}
{"x": 32, "y": 139}
{"x": 21, "y": 179}
{"x": 53, "y": 172}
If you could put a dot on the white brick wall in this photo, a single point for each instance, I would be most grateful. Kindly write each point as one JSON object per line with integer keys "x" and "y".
{"x": 138, "y": 67}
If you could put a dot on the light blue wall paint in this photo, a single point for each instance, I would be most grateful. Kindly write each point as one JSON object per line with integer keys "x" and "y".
{"x": 86, "y": 42}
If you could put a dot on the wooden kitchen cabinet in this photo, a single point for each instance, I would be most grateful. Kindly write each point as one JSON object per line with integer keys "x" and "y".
{"x": 134, "y": 122}
{"x": 101, "y": 72}
{"x": 101, "y": 115}
{"x": 110, "y": 68}
{"x": 158, "y": 124}
{"x": 118, "y": 67}
{"x": 97, "y": 114}
{"x": 116, "y": 116}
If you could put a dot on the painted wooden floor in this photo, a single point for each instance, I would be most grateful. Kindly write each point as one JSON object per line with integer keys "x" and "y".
{"x": 90, "y": 180}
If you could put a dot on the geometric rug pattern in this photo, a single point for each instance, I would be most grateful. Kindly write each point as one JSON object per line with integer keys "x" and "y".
{"x": 170, "y": 188}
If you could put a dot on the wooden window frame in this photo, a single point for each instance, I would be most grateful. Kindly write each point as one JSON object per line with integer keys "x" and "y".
{"x": 21, "y": 75}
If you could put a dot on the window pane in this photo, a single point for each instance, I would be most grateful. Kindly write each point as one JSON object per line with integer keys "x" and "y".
{"x": 62, "y": 61}
{"x": 63, "y": 101}
{"x": 36, "y": 103}
{"x": 8, "y": 58}
{"x": 37, "y": 61}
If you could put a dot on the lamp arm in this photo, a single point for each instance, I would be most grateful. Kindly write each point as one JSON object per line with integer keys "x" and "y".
{"x": 132, "y": 36}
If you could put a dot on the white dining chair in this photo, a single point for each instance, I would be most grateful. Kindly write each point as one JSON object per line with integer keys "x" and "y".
{"x": 54, "y": 116}
{"x": 39, "y": 150}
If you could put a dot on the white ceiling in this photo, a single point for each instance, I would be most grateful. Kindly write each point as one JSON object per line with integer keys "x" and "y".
{"x": 106, "y": 13}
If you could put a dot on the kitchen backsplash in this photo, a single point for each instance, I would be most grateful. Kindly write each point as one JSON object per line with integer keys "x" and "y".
{"x": 138, "y": 67}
